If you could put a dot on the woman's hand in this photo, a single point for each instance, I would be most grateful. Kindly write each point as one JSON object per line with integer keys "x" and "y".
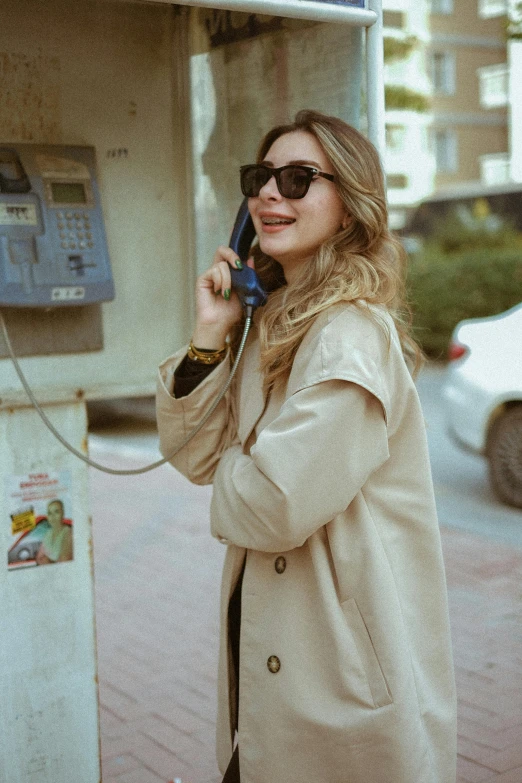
{"x": 41, "y": 558}
{"x": 217, "y": 306}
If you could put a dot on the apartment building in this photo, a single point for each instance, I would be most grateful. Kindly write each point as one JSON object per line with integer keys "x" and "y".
{"x": 443, "y": 132}
{"x": 463, "y": 41}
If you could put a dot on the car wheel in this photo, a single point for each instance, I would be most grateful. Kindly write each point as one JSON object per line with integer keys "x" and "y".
{"x": 504, "y": 453}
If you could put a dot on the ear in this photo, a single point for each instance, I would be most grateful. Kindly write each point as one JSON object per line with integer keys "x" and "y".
{"x": 347, "y": 220}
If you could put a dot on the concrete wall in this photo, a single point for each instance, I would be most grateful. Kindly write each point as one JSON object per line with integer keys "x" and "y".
{"x": 108, "y": 74}
{"x": 48, "y": 690}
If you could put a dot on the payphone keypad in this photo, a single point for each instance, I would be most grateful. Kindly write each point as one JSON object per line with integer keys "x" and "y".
{"x": 74, "y": 229}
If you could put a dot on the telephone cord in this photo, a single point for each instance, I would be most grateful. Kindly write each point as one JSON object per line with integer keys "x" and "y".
{"x": 105, "y": 468}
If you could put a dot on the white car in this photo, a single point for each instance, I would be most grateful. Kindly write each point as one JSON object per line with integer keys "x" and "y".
{"x": 483, "y": 396}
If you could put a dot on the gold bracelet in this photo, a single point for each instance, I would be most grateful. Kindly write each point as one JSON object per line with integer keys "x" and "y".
{"x": 206, "y": 357}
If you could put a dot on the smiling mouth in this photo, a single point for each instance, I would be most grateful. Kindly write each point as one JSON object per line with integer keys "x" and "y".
{"x": 277, "y": 221}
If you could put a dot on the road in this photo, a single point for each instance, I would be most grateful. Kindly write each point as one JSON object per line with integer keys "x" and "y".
{"x": 464, "y": 498}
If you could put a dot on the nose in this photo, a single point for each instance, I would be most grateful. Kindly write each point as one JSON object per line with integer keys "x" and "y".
{"x": 270, "y": 191}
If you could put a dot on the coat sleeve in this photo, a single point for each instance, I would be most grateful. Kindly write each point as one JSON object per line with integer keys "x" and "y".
{"x": 176, "y": 418}
{"x": 305, "y": 468}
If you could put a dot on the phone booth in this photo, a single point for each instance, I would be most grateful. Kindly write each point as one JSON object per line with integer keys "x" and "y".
{"x": 122, "y": 127}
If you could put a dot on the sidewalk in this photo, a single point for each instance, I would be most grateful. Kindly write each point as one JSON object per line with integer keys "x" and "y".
{"x": 157, "y": 586}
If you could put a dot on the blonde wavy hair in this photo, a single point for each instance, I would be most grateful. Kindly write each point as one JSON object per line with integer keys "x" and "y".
{"x": 363, "y": 264}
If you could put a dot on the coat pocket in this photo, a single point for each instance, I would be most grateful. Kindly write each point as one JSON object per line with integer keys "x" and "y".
{"x": 376, "y": 680}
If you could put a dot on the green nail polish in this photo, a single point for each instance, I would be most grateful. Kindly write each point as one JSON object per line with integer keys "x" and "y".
{"x": 218, "y": 292}
{"x": 226, "y": 294}
{"x": 239, "y": 264}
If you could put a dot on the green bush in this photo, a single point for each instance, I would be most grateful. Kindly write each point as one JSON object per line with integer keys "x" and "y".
{"x": 398, "y": 97}
{"x": 451, "y": 236}
{"x": 397, "y": 49}
{"x": 514, "y": 22}
{"x": 446, "y": 289}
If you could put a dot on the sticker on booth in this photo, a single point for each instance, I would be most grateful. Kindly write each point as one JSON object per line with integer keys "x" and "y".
{"x": 39, "y": 519}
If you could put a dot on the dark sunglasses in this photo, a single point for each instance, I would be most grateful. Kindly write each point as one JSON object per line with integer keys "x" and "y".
{"x": 292, "y": 181}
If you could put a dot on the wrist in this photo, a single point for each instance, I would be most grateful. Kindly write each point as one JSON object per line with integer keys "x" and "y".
{"x": 211, "y": 338}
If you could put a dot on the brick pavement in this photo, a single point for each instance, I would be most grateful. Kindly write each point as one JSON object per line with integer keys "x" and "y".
{"x": 157, "y": 585}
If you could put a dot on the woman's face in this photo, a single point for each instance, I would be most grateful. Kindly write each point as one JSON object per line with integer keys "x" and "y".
{"x": 305, "y": 223}
{"x": 54, "y": 514}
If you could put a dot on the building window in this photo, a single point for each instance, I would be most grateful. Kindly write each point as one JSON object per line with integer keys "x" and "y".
{"x": 393, "y": 19}
{"x": 395, "y": 135}
{"x": 397, "y": 181}
{"x": 446, "y": 151}
{"x": 441, "y": 6}
{"x": 443, "y": 72}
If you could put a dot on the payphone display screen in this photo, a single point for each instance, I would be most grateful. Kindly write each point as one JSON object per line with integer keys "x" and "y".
{"x": 68, "y": 193}
{"x": 18, "y": 214}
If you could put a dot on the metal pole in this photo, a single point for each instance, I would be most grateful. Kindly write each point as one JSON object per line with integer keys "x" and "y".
{"x": 296, "y": 9}
{"x": 375, "y": 80}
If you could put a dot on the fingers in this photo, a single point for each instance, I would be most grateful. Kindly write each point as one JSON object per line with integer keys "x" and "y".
{"x": 226, "y": 254}
{"x": 217, "y": 279}
{"x": 217, "y": 304}
{"x": 219, "y": 272}
{"x": 221, "y": 280}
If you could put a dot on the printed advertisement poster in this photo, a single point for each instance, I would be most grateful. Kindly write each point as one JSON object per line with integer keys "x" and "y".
{"x": 39, "y": 519}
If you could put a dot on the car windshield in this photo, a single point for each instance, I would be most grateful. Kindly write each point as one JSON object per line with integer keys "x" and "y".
{"x": 38, "y": 531}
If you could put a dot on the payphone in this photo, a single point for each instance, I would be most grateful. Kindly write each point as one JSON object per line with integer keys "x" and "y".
{"x": 53, "y": 248}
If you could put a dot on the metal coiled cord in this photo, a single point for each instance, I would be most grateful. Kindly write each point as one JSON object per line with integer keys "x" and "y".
{"x": 105, "y": 468}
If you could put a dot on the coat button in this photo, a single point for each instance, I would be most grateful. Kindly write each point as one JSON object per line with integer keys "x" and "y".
{"x": 280, "y": 564}
{"x": 274, "y": 664}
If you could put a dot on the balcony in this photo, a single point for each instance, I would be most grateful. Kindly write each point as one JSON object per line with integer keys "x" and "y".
{"x": 494, "y": 85}
{"x": 395, "y": 5}
{"x": 495, "y": 169}
{"x": 490, "y": 8}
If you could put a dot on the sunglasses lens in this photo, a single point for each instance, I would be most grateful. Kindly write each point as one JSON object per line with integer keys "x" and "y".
{"x": 294, "y": 182}
{"x": 253, "y": 178}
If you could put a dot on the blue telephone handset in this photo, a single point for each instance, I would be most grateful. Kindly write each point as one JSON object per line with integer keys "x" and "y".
{"x": 245, "y": 282}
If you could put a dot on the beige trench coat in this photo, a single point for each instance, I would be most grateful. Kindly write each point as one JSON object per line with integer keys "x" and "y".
{"x": 346, "y": 671}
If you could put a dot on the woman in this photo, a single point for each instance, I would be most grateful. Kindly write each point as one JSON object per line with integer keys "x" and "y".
{"x": 322, "y": 488}
{"x": 56, "y": 546}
